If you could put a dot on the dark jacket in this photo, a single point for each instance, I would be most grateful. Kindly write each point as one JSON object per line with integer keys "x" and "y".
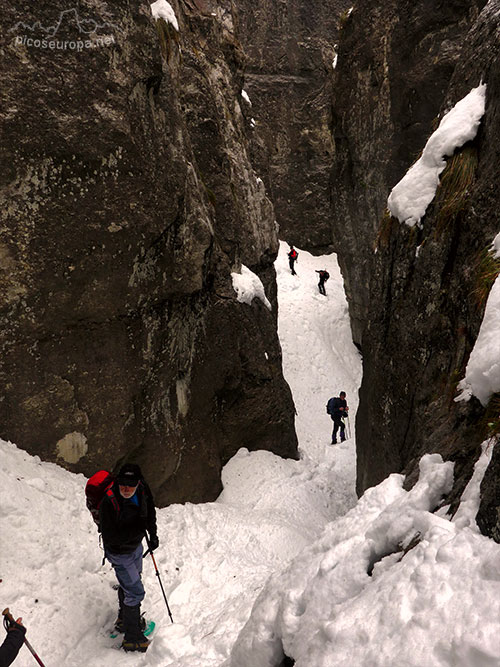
{"x": 123, "y": 529}
{"x": 323, "y": 276}
{"x": 13, "y": 642}
{"x": 337, "y": 404}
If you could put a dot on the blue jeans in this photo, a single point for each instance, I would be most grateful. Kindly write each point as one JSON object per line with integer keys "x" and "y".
{"x": 128, "y": 569}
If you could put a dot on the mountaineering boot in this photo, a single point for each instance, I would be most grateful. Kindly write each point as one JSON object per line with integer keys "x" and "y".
{"x": 119, "y": 619}
{"x": 119, "y": 627}
{"x": 134, "y": 639}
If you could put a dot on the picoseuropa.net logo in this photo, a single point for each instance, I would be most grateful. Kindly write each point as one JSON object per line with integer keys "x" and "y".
{"x": 69, "y": 32}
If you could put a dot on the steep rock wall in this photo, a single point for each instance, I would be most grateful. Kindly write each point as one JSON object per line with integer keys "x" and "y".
{"x": 128, "y": 200}
{"x": 290, "y": 50}
{"x": 412, "y": 291}
{"x": 395, "y": 63}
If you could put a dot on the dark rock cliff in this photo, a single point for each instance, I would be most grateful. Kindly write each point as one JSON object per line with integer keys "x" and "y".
{"x": 288, "y": 77}
{"x": 395, "y": 63}
{"x": 128, "y": 198}
{"x": 413, "y": 292}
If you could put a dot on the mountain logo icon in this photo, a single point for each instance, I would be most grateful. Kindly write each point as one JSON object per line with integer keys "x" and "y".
{"x": 68, "y": 17}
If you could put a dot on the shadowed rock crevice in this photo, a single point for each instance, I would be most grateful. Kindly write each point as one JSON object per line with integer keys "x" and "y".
{"x": 291, "y": 53}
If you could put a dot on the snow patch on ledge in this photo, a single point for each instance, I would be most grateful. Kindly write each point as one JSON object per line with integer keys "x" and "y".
{"x": 161, "y": 9}
{"x": 495, "y": 247}
{"x": 482, "y": 375}
{"x": 244, "y": 95}
{"x": 248, "y": 286}
{"x": 410, "y": 198}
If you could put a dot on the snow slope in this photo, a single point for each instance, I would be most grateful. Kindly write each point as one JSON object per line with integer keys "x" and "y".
{"x": 394, "y": 582}
{"x": 214, "y": 558}
{"x": 388, "y": 584}
{"x": 285, "y": 558}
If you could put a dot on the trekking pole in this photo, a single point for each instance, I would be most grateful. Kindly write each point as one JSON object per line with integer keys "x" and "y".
{"x": 10, "y": 618}
{"x": 348, "y": 427}
{"x": 158, "y": 575}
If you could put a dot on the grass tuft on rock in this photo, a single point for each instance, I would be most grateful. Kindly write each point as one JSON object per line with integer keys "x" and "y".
{"x": 344, "y": 17}
{"x": 490, "y": 423}
{"x": 487, "y": 270}
{"x": 168, "y": 36}
{"x": 454, "y": 188}
{"x": 385, "y": 230}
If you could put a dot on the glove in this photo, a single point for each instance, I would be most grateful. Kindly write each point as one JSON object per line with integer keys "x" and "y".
{"x": 17, "y": 626}
{"x": 10, "y": 624}
{"x": 153, "y": 543}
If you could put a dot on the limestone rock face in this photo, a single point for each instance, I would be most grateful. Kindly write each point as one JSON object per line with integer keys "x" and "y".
{"x": 413, "y": 291}
{"x": 395, "y": 63}
{"x": 290, "y": 47}
{"x": 128, "y": 198}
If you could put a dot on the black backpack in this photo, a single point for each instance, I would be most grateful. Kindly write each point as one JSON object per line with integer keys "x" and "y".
{"x": 330, "y": 406}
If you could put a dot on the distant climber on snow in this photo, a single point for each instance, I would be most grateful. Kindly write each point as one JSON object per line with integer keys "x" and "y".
{"x": 323, "y": 277}
{"x": 337, "y": 408}
{"x": 127, "y": 511}
{"x": 292, "y": 258}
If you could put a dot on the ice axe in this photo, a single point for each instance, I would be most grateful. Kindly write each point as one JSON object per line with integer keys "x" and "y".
{"x": 8, "y": 621}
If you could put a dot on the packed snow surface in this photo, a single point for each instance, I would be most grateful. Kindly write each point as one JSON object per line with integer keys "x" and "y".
{"x": 388, "y": 584}
{"x": 324, "y": 574}
{"x": 410, "y": 198}
{"x": 161, "y": 9}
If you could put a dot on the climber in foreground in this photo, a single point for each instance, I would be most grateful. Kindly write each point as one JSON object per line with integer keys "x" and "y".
{"x": 292, "y": 258}
{"x": 337, "y": 408}
{"x": 323, "y": 277}
{"x": 126, "y": 512}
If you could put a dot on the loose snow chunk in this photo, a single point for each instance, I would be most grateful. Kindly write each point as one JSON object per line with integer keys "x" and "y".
{"x": 465, "y": 516}
{"x": 410, "y": 198}
{"x": 161, "y": 9}
{"x": 244, "y": 95}
{"x": 482, "y": 375}
{"x": 248, "y": 286}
